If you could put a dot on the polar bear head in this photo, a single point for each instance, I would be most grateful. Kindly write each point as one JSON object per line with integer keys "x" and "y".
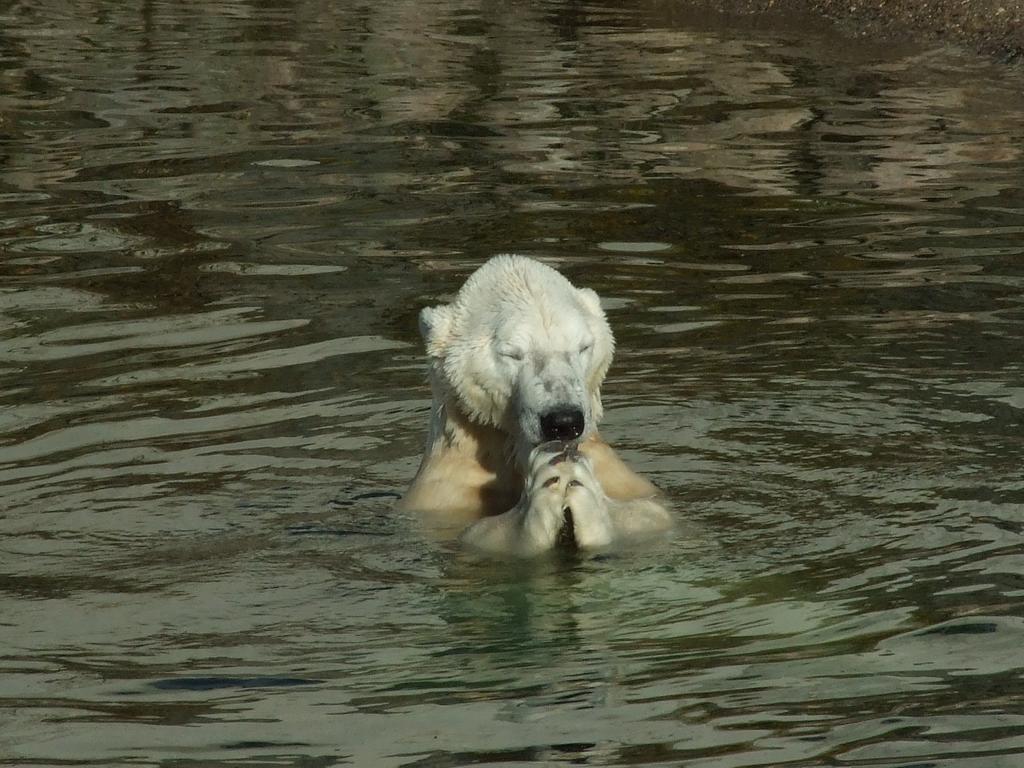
{"x": 523, "y": 350}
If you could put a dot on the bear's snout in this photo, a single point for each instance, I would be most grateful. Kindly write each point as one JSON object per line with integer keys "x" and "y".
{"x": 564, "y": 423}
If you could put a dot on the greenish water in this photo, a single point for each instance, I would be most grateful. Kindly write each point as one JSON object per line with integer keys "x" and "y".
{"x": 217, "y": 224}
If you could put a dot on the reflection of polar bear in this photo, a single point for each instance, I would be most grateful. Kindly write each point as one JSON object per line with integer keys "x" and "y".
{"x": 517, "y": 361}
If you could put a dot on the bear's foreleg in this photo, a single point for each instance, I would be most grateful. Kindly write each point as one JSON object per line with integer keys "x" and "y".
{"x": 586, "y": 502}
{"x": 531, "y": 526}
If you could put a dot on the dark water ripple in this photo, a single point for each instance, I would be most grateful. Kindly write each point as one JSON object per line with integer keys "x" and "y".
{"x": 216, "y": 227}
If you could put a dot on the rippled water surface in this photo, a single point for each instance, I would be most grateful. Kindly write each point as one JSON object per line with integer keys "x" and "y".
{"x": 217, "y": 224}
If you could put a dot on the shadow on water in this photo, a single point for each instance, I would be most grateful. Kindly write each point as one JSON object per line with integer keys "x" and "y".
{"x": 217, "y": 225}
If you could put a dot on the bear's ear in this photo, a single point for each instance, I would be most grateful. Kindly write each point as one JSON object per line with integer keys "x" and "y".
{"x": 435, "y": 323}
{"x": 604, "y": 348}
{"x": 590, "y": 300}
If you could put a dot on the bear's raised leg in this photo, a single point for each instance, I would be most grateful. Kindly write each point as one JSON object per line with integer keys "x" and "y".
{"x": 533, "y": 525}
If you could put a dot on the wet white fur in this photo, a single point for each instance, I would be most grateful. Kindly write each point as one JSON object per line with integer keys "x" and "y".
{"x": 518, "y": 341}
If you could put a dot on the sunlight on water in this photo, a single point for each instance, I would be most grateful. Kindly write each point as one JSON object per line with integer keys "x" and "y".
{"x": 216, "y": 230}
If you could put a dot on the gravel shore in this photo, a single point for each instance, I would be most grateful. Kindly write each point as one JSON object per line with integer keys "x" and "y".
{"x": 994, "y": 27}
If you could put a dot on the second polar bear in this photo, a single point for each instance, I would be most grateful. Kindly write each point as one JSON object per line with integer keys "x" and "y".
{"x": 516, "y": 364}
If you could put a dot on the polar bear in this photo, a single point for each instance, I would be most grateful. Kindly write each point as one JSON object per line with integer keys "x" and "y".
{"x": 516, "y": 363}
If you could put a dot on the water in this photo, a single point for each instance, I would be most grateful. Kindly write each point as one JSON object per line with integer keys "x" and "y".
{"x": 217, "y": 224}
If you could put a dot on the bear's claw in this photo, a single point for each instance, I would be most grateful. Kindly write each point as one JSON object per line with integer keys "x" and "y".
{"x": 562, "y": 451}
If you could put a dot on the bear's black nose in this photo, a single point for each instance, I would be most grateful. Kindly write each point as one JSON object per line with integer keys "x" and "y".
{"x": 562, "y": 424}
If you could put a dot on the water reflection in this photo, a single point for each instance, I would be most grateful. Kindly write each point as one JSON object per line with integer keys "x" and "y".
{"x": 216, "y": 227}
